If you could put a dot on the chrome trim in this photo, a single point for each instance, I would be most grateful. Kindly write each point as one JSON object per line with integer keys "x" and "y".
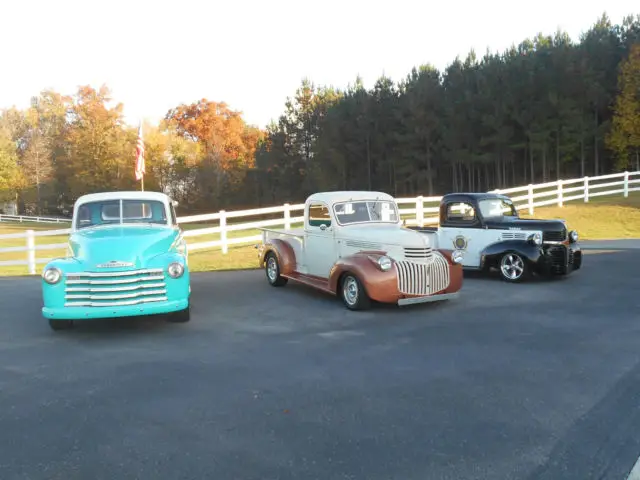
{"x": 429, "y": 298}
{"x": 116, "y": 289}
{"x": 117, "y": 297}
{"x": 114, "y": 274}
{"x": 112, "y": 282}
{"x": 115, "y": 304}
{"x": 115, "y": 264}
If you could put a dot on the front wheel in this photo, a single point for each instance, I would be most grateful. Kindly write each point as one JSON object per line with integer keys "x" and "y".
{"x": 60, "y": 324}
{"x": 513, "y": 268}
{"x": 353, "y": 293}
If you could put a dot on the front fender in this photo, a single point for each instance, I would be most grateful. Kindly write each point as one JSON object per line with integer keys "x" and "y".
{"x": 380, "y": 285}
{"x": 284, "y": 253}
{"x": 490, "y": 256}
{"x": 456, "y": 271}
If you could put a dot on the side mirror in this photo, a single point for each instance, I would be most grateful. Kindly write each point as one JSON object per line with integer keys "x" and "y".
{"x": 174, "y": 203}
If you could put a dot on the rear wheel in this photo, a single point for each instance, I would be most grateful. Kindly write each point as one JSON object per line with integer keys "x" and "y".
{"x": 60, "y": 324}
{"x": 353, "y": 293}
{"x": 272, "y": 270}
{"x": 514, "y": 268}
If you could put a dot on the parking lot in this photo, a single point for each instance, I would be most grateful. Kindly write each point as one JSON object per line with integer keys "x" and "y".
{"x": 540, "y": 380}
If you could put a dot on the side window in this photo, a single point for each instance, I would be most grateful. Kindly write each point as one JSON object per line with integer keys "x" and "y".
{"x": 461, "y": 213}
{"x": 319, "y": 215}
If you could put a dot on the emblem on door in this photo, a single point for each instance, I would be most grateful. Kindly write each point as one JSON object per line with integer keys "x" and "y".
{"x": 460, "y": 242}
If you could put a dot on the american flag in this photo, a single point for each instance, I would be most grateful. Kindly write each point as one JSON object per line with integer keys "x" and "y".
{"x": 140, "y": 169}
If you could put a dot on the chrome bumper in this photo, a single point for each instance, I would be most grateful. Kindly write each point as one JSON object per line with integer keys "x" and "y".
{"x": 428, "y": 298}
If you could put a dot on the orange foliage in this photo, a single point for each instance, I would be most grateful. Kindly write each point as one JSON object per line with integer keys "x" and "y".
{"x": 221, "y": 131}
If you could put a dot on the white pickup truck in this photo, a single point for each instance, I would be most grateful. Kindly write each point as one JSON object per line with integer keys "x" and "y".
{"x": 354, "y": 245}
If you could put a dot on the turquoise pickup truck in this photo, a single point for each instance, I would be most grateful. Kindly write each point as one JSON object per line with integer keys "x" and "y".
{"x": 126, "y": 257}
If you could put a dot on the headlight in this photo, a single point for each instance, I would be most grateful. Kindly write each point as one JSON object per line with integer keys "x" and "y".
{"x": 384, "y": 263}
{"x": 536, "y": 238}
{"x": 457, "y": 256}
{"x": 175, "y": 270}
{"x": 573, "y": 236}
{"x": 52, "y": 275}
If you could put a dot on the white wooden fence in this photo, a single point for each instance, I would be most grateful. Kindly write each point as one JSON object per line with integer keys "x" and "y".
{"x": 420, "y": 211}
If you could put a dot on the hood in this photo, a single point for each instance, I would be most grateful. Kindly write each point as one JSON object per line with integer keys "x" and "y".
{"x": 375, "y": 237}
{"x": 122, "y": 244}
{"x": 526, "y": 224}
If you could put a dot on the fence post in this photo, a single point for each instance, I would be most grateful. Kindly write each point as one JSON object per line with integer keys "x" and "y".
{"x": 31, "y": 251}
{"x": 626, "y": 183}
{"x": 560, "y": 202}
{"x": 530, "y": 199}
{"x": 586, "y": 189}
{"x": 420, "y": 211}
{"x": 287, "y": 217}
{"x": 223, "y": 231}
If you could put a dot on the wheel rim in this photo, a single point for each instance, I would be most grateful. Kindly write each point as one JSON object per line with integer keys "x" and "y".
{"x": 272, "y": 269}
{"x": 350, "y": 290}
{"x": 512, "y": 266}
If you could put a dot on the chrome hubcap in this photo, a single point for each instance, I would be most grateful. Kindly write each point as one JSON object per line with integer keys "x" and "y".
{"x": 350, "y": 290}
{"x": 512, "y": 266}
{"x": 272, "y": 269}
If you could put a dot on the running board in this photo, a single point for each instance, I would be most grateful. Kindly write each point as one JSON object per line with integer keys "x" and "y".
{"x": 311, "y": 281}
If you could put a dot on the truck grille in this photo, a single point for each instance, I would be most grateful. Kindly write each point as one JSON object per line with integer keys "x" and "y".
{"x": 423, "y": 279}
{"x": 114, "y": 289}
{"x": 559, "y": 257}
{"x": 555, "y": 236}
{"x": 418, "y": 252}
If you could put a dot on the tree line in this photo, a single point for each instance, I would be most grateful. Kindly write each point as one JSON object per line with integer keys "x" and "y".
{"x": 545, "y": 109}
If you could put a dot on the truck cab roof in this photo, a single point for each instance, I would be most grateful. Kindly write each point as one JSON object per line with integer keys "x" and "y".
{"x": 348, "y": 195}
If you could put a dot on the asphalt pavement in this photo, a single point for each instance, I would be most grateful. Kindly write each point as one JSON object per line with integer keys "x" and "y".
{"x": 540, "y": 380}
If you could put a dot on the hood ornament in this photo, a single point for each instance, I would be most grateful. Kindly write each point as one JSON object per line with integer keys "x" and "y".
{"x": 114, "y": 264}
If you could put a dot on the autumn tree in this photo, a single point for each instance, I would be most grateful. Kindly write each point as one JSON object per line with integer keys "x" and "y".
{"x": 624, "y": 137}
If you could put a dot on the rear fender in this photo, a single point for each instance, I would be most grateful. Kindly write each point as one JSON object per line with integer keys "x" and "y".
{"x": 491, "y": 254}
{"x": 284, "y": 253}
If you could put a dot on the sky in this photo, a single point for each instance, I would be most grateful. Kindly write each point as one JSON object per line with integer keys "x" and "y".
{"x": 156, "y": 54}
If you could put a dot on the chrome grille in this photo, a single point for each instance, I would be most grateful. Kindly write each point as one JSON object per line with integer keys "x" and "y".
{"x": 417, "y": 252}
{"x": 112, "y": 289}
{"x": 421, "y": 278}
{"x": 555, "y": 236}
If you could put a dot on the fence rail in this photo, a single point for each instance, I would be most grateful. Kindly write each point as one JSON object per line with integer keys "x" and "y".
{"x": 25, "y": 218}
{"x": 421, "y": 211}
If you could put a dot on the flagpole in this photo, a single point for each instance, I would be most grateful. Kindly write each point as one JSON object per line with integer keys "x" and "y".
{"x": 142, "y": 184}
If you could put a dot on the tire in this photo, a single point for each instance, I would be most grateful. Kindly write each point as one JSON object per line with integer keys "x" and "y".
{"x": 60, "y": 324}
{"x": 353, "y": 294}
{"x": 514, "y": 268}
{"x": 272, "y": 271}
{"x": 181, "y": 316}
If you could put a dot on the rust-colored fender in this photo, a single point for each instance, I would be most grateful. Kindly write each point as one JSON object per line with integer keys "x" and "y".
{"x": 380, "y": 286}
{"x": 284, "y": 253}
{"x": 455, "y": 272}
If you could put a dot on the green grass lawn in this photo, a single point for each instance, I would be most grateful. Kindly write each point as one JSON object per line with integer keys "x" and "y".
{"x": 602, "y": 218}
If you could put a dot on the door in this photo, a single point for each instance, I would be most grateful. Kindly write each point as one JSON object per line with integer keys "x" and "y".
{"x": 320, "y": 251}
{"x": 461, "y": 229}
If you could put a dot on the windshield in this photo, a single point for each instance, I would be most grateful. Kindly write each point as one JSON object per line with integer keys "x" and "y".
{"x": 365, "y": 211}
{"x": 497, "y": 207}
{"x": 108, "y": 212}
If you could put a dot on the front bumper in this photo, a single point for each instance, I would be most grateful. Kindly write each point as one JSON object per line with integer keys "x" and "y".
{"x": 428, "y": 298}
{"x": 559, "y": 259}
{"x": 87, "y": 313}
